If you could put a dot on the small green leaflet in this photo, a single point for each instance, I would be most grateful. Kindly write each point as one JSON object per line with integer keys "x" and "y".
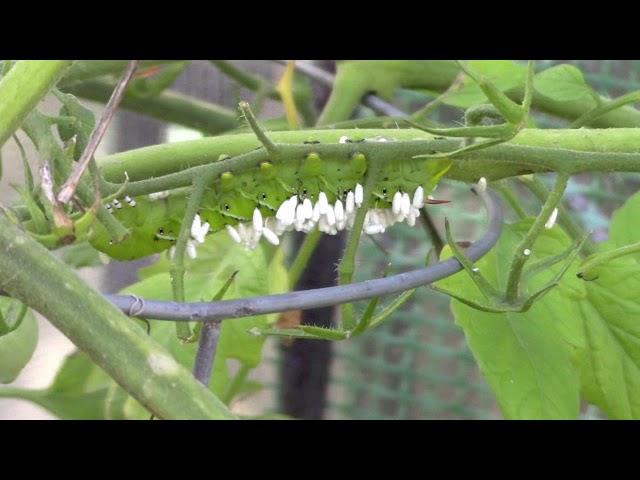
{"x": 18, "y": 338}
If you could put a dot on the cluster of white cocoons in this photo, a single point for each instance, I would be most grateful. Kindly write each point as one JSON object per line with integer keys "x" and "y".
{"x": 197, "y": 235}
{"x": 115, "y": 203}
{"x": 249, "y": 234}
{"x": 302, "y": 215}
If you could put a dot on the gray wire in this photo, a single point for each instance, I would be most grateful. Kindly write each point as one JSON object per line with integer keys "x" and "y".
{"x": 207, "y": 346}
{"x": 320, "y": 297}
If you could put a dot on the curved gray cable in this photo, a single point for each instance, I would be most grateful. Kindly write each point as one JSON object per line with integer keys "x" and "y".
{"x": 320, "y": 297}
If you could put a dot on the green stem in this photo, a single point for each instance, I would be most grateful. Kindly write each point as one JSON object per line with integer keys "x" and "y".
{"x": 571, "y": 110}
{"x": 177, "y": 270}
{"x": 236, "y": 384}
{"x": 21, "y": 393}
{"x": 248, "y": 80}
{"x": 520, "y": 257}
{"x": 431, "y": 106}
{"x": 257, "y": 129}
{"x": 565, "y": 219}
{"x": 354, "y": 79}
{"x": 598, "y": 112}
{"x": 169, "y": 158}
{"x": 346, "y": 267}
{"x": 432, "y": 231}
{"x": 302, "y": 257}
{"x": 87, "y": 69}
{"x": 264, "y": 88}
{"x": 598, "y": 259}
{"x": 509, "y": 197}
{"x": 22, "y": 88}
{"x": 484, "y": 286}
{"x": 375, "y": 122}
{"x": 138, "y": 363}
{"x": 532, "y": 151}
{"x": 345, "y": 97}
{"x": 167, "y": 106}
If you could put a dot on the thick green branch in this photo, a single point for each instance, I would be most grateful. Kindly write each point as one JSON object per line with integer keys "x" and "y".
{"x": 89, "y": 69}
{"x": 167, "y": 106}
{"x": 138, "y": 363}
{"x": 22, "y": 88}
{"x": 532, "y": 151}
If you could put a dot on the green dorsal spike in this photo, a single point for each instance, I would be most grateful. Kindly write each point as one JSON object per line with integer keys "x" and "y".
{"x": 312, "y": 165}
{"x": 267, "y": 169}
{"x": 227, "y": 181}
{"x": 358, "y": 164}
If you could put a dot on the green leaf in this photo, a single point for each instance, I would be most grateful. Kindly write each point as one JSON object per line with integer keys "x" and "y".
{"x": 26, "y": 168}
{"x": 611, "y": 316}
{"x": 19, "y": 342}
{"x": 83, "y": 391}
{"x": 562, "y": 83}
{"x": 80, "y": 255}
{"x": 529, "y": 359}
{"x": 310, "y": 332}
{"x": 277, "y": 280}
{"x": 82, "y": 128}
{"x": 624, "y": 225}
{"x": 38, "y": 221}
{"x": 79, "y": 391}
{"x": 78, "y": 374}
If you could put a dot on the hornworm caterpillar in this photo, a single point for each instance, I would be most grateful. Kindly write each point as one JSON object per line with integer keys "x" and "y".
{"x": 310, "y": 192}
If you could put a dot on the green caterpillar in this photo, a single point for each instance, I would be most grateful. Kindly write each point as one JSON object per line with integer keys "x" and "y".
{"x": 275, "y": 197}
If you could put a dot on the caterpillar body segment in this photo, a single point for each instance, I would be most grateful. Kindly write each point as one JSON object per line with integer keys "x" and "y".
{"x": 276, "y": 196}
{"x": 153, "y": 226}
